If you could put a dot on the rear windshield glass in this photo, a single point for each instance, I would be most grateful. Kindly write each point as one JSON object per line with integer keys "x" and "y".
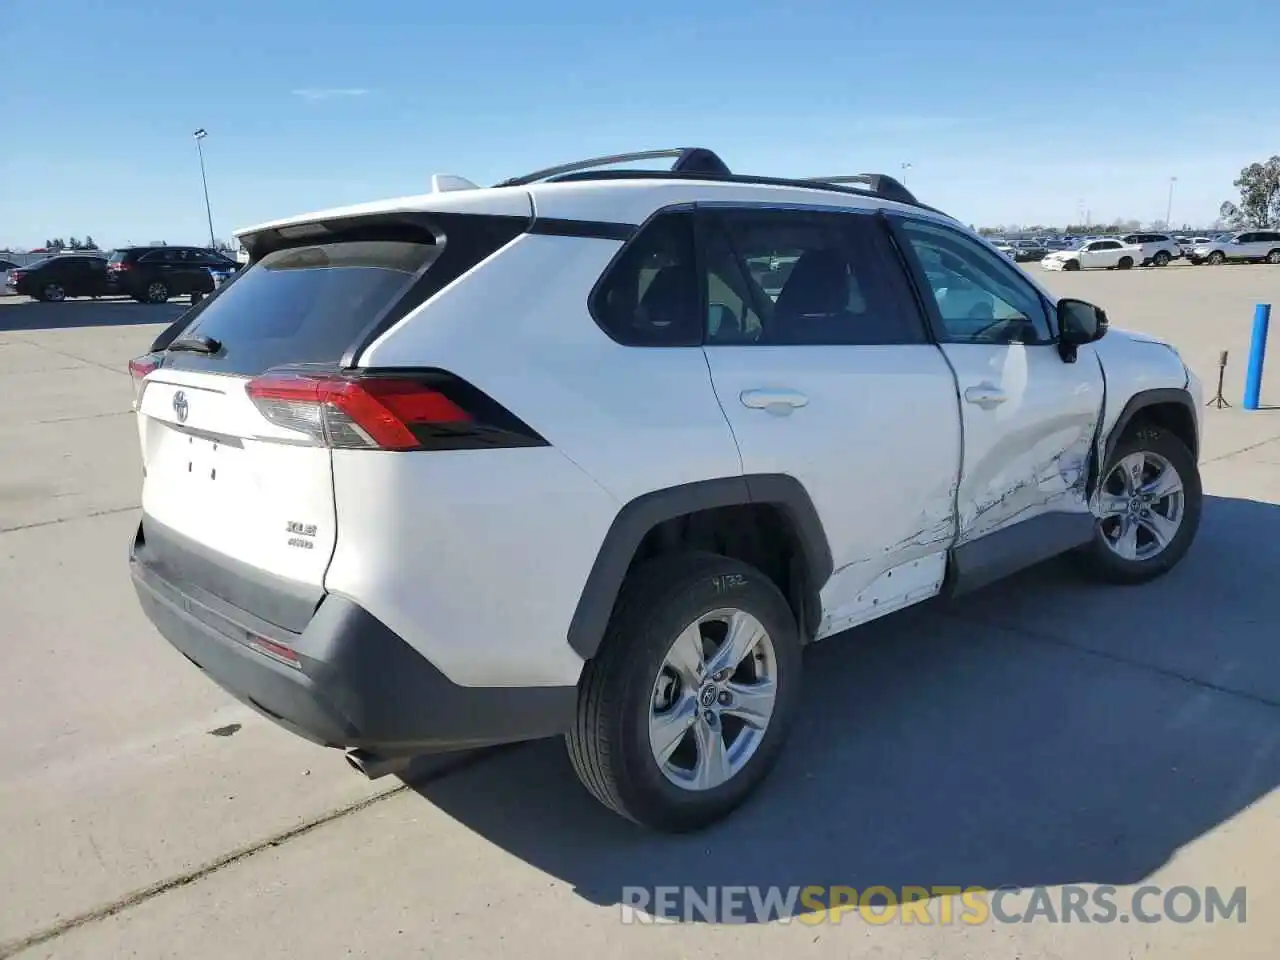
{"x": 304, "y": 305}
{"x": 117, "y": 256}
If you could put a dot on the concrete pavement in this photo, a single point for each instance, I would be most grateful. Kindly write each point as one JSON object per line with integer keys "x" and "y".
{"x": 1041, "y": 732}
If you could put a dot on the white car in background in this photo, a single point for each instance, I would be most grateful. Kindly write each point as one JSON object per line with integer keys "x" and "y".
{"x": 1249, "y": 246}
{"x": 1095, "y": 255}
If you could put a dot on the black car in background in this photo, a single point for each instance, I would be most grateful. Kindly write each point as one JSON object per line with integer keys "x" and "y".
{"x": 1025, "y": 251}
{"x": 65, "y": 275}
{"x": 154, "y": 274}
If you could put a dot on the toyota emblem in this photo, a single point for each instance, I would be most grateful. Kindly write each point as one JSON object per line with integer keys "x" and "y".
{"x": 180, "y": 406}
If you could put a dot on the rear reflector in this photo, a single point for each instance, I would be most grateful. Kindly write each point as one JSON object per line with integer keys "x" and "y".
{"x": 276, "y": 651}
{"x": 429, "y": 410}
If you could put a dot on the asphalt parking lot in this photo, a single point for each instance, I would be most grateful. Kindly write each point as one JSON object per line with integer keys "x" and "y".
{"x": 1041, "y": 732}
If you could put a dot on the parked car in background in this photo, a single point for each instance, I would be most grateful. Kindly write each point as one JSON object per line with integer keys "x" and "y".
{"x": 5, "y": 267}
{"x": 1248, "y": 246}
{"x": 66, "y": 275}
{"x": 155, "y": 274}
{"x": 1005, "y": 247}
{"x": 1158, "y": 249}
{"x": 1187, "y": 244}
{"x": 1095, "y": 255}
{"x": 1025, "y": 251}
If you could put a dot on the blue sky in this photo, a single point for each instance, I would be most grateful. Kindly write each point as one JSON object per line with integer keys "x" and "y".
{"x": 1008, "y": 112}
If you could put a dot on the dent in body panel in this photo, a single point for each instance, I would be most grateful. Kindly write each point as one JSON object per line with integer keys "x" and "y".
{"x": 859, "y": 583}
{"x": 1025, "y": 475}
{"x": 1132, "y": 363}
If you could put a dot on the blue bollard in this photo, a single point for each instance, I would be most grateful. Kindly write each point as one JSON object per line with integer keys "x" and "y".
{"x": 1257, "y": 353}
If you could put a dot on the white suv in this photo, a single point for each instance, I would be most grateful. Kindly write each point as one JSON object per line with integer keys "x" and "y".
{"x": 1250, "y": 246}
{"x": 598, "y": 452}
{"x": 1158, "y": 249}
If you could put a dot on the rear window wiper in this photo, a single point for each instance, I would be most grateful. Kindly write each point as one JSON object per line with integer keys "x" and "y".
{"x": 196, "y": 344}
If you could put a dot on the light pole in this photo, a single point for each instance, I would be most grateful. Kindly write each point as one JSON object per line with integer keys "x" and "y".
{"x": 200, "y": 135}
{"x": 905, "y": 167}
{"x": 1168, "y": 210}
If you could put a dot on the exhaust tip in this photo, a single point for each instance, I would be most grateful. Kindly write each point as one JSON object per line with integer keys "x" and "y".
{"x": 373, "y": 766}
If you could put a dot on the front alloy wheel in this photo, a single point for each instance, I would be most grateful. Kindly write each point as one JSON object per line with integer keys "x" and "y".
{"x": 1147, "y": 508}
{"x": 1141, "y": 506}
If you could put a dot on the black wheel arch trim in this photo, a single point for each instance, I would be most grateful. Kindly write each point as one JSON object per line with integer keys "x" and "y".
{"x": 1145, "y": 399}
{"x": 638, "y": 517}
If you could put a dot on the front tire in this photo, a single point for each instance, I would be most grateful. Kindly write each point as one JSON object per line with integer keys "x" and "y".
{"x": 1273, "y": 256}
{"x": 686, "y": 706}
{"x": 1148, "y": 508}
{"x": 1071, "y": 265}
{"x": 1217, "y": 258}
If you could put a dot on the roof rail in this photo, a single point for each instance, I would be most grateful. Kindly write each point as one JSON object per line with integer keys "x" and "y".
{"x": 881, "y": 184}
{"x": 696, "y": 160}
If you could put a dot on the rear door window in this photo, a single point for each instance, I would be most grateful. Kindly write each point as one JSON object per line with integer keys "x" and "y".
{"x": 303, "y": 305}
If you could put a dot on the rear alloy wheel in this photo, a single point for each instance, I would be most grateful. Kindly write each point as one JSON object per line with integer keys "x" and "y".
{"x": 685, "y": 708}
{"x": 1217, "y": 258}
{"x": 1162, "y": 258}
{"x": 157, "y": 292}
{"x": 1148, "y": 508}
{"x": 1273, "y": 256}
{"x": 1125, "y": 263}
{"x": 53, "y": 293}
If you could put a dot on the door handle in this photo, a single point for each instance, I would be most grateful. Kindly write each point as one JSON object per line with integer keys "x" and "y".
{"x": 986, "y": 395}
{"x": 774, "y": 400}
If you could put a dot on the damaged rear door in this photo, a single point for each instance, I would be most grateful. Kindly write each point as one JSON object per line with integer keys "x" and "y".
{"x": 1029, "y": 417}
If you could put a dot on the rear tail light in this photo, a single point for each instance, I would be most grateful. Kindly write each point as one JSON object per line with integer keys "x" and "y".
{"x": 429, "y": 410}
{"x": 139, "y": 367}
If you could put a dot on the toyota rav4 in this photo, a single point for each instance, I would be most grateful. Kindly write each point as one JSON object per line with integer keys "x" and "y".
{"x": 598, "y": 452}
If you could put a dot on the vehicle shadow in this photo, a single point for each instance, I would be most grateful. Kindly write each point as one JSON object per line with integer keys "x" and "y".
{"x": 18, "y": 314}
{"x": 1042, "y": 731}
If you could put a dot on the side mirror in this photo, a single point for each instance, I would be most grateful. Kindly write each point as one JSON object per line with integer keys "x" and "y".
{"x": 1079, "y": 323}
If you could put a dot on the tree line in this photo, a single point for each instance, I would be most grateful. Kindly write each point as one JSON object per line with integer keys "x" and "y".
{"x": 58, "y": 244}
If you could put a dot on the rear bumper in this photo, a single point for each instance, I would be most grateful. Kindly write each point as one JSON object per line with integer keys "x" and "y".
{"x": 355, "y": 683}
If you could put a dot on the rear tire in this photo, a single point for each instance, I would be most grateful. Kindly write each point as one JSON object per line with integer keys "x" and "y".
{"x": 1145, "y": 526}
{"x": 647, "y": 726}
{"x": 1125, "y": 263}
{"x": 52, "y": 293}
{"x": 1162, "y": 258}
{"x": 157, "y": 292}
